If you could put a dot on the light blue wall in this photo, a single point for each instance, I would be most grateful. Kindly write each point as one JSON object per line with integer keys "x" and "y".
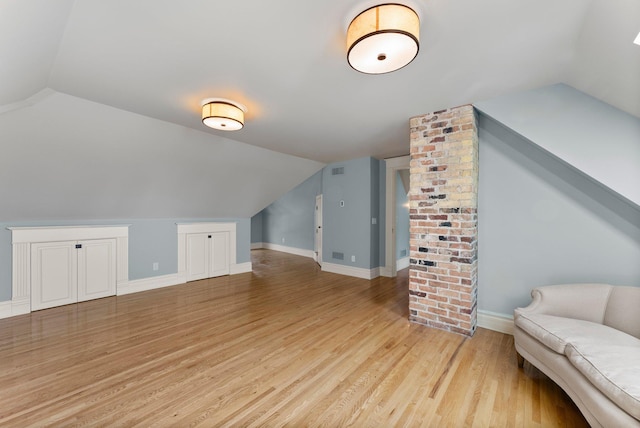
{"x": 256, "y": 228}
{"x": 289, "y": 221}
{"x": 402, "y": 219}
{"x": 348, "y": 228}
{"x": 542, "y": 222}
{"x": 593, "y": 136}
{"x": 150, "y": 241}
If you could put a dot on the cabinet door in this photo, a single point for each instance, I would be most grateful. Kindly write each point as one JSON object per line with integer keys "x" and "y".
{"x": 219, "y": 254}
{"x": 96, "y": 269}
{"x": 54, "y": 274}
{"x": 197, "y": 256}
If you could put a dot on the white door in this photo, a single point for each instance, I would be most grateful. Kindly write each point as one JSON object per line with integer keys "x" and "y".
{"x": 219, "y": 254}
{"x": 197, "y": 256}
{"x": 54, "y": 274}
{"x": 96, "y": 269}
{"x": 318, "y": 230}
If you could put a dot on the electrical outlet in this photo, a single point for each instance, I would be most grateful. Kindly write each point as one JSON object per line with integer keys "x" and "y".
{"x": 374, "y": 220}
{"x": 353, "y": 259}
{"x": 156, "y": 266}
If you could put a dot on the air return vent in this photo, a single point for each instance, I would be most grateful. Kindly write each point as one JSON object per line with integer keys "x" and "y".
{"x": 337, "y": 171}
{"x": 403, "y": 253}
{"x": 337, "y": 256}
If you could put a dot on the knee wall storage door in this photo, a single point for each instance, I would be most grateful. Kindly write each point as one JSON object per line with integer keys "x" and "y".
{"x": 207, "y": 255}
{"x": 206, "y": 250}
{"x": 72, "y": 271}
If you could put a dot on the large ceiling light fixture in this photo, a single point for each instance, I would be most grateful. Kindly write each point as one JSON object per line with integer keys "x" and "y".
{"x": 223, "y": 114}
{"x": 383, "y": 38}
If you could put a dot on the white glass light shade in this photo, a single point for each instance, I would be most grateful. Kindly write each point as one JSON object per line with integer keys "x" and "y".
{"x": 223, "y": 115}
{"x": 383, "y": 39}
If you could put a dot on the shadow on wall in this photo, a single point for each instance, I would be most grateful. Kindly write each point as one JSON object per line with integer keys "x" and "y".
{"x": 543, "y": 222}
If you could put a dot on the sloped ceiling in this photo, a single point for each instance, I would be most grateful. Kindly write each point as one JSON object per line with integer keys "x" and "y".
{"x": 69, "y": 158}
{"x": 600, "y": 141}
{"x": 152, "y": 62}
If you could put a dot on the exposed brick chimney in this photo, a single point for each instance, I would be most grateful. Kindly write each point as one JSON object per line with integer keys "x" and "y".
{"x": 443, "y": 212}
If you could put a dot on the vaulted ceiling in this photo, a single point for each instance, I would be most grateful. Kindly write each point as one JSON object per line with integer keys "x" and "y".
{"x": 286, "y": 61}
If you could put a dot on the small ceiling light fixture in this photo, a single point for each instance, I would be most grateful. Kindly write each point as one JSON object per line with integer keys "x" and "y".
{"x": 637, "y": 40}
{"x": 383, "y": 38}
{"x": 223, "y": 114}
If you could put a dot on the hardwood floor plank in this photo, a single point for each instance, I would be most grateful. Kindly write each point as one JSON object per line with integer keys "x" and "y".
{"x": 285, "y": 345}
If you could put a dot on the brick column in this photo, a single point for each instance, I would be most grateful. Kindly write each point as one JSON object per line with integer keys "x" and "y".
{"x": 444, "y": 220}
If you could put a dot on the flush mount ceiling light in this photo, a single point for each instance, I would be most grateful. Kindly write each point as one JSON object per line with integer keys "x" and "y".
{"x": 223, "y": 114}
{"x": 383, "y": 38}
{"x": 637, "y": 40}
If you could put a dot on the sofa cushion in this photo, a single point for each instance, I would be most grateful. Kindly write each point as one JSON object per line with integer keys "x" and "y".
{"x": 556, "y": 332}
{"x": 614, "y": 368}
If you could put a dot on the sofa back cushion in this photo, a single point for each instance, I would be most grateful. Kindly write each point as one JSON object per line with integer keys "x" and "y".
{"x": 623, "y": 310}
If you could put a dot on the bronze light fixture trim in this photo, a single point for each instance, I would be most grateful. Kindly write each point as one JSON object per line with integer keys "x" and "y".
{"x": 223, "y": 114}
{"x": 383, "y": 38}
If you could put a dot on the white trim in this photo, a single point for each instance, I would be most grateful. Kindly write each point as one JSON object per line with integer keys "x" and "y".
{"x": 154, "y": 282}
{"x": 495, "y": 321}
{"x": 402, "y": 263}
{"x": 6, "y": 309}
{"x": 186, "y": 228}
{"x": 385, "y": 271}
{"x": 290, "y": 250}
{"x": 146, "y": 284}
{"x": 240, "y": 268}
{"x": 23, "y": 237}
{"x": 12, "y": 308}
{"x": 392, "y": 166}
{"x": 318, "y": 232}
{"x": 351, "y": 270}
{"x": 257, "y": 245}
{"x": 67, "y": 233}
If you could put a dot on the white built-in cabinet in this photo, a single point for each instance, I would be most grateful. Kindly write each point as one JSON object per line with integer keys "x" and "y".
{"x": 207, "y": 255}
{"x": 72, "y": 271}
{"x": 205, "y": 250}
{"x": 54, "y": 266}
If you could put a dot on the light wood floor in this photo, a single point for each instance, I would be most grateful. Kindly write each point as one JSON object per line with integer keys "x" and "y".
{"x": 286, "y": 345}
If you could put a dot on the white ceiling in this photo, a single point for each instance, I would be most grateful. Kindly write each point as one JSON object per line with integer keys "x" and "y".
{"x": 286, "y": 60}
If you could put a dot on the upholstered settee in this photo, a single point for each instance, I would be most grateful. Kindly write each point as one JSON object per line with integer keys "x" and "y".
{"x": 586, "y": 338}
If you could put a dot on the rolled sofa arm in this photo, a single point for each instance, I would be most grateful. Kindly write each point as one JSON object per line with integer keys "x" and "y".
{"x": 579, "y": 301}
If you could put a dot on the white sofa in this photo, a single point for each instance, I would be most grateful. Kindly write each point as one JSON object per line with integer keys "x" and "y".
{"x": 586, "y": 338}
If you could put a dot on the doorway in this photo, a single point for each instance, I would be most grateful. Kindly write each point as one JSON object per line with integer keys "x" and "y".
{"x": 317, "y": 251}
{"x": 393, "y": 165}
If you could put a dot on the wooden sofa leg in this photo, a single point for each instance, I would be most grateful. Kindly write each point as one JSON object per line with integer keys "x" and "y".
{"x": 520, "y": 360}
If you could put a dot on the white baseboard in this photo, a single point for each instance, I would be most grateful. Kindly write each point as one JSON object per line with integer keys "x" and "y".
{"x": 402, "y": 263}
{"x": 385, "y": 271}
{"x": 494, "y": 321}
{"x": 5, "y": 309}
{"x": 240, "y": 268}
{"x": 290, "y": 250}
{"x": 257, "y": 245}
{"x": 11, "y": 308}
{"x": 351, "y": 271}
{"x": 146, "y": 284}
